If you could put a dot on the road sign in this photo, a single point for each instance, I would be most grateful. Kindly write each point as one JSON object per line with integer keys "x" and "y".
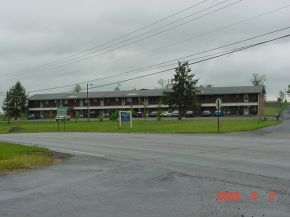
{"x": 61, "y": 111}
{"x": 218, "y": 104}
{"x": 125, "y": 116}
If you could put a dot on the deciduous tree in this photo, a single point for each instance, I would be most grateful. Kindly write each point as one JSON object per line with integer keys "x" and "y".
{"x": 77, "y": 88}
{"x": 258, "y": 79}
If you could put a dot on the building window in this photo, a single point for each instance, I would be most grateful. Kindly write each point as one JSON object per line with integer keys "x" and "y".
{"x": 246, "y": 98}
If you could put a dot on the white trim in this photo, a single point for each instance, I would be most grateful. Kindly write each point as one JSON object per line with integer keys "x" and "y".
{"x": 43, "y": 109}
{"x": 74, "y": 151}
{"x": 101, "y": 107}
{"x": 231, "y": 104}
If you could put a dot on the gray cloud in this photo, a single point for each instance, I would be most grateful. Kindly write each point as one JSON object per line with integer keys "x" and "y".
{"x": 34, "y": 33}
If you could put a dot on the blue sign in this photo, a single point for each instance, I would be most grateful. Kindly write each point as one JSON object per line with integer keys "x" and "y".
{"x": 125, "y": 116}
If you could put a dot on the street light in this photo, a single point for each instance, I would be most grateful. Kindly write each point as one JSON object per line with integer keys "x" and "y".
{"x": 88, "y": 102}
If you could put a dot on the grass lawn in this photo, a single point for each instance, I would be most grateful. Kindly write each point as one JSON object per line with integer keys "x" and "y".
{"x": 139, "y": 126}
{"x": 14, "y": 157}
{"x": 271, "y": 110}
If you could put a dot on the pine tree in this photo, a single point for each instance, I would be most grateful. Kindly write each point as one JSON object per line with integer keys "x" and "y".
{"x": 15, "y": 102}
{"x": 182, "y": 90}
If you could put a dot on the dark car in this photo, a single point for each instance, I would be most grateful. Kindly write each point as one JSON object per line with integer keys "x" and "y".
{"x": 218, "y": 113}
{"x": 206, "y": 113}
{"x": 189, "y": 114}
{"x": 34, "y": 116}
{"x": 139, "y": 114}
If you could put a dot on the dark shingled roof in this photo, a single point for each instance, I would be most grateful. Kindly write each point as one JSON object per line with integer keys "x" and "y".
{"x": 145, "y": 93}
{"x": 104, "y": 94}
{"x": 232, "y": 90}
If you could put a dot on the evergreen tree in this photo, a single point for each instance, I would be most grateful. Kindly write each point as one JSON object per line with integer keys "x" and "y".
{"x": 15, "y": 102}
{"x": 182, "y": 91}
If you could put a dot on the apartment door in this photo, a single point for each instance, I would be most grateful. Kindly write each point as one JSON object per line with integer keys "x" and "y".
{"x": 246, "y": 110}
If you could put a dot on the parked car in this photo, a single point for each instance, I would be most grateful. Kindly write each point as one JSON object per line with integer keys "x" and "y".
{"x": 62, "y": 118}
{"x": 139, "y": 114}
{"x": 31, "y": 117}
{"x": 165, "y": 114}
{"x": 34, "y": 116}
{"x": 218, "y": 113}
{"x": 175, "y": 113}
{"x": 206, "y": 113}
{"x": 153, "y": 114}
{"x": 189, "y": 114}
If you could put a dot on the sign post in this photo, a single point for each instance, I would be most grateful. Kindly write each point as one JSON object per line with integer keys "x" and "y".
{"x": 125, "y": 116}
{"x": 218, "y": 106}
{"x": 61, "y": 111}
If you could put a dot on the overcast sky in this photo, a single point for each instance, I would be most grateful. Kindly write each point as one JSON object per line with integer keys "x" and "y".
{"x": 56, "y": 43}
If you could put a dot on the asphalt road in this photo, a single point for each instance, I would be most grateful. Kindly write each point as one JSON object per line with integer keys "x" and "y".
{"x": 154, "y": 175}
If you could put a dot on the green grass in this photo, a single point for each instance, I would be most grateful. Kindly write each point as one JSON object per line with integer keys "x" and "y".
{"x": 140, "y": 126}
{"x": 272, "y": 110}
{"x": 15, "y": 157}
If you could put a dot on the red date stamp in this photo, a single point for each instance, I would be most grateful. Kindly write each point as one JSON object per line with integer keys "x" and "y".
{"x": 228, "y": 196}
{"x": 236, "y": 196}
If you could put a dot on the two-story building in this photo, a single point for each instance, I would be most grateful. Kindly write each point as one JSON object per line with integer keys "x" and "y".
{"x": 96, "y": 102}
{"x": 237, "y": 100}
{"x": 241, "y": 100}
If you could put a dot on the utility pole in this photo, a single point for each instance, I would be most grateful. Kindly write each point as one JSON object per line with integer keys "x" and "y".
{"x": 88, "y": 102}
{"x": 88, "y": 107}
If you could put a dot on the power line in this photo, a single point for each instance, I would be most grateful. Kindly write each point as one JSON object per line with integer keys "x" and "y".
{"x": 155, "y": 65}
{"x": 191, "y": 55}
{"x": 193, "y": 63}
{"x": 80, "y": 58}
{"x": 209, "y": 58}
{"x": 119, "y": 37}
{"x": 203, "y": 34}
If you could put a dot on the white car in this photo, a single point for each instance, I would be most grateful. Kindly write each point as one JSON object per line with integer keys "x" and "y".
{"x": 165, "y": 114}
{"x": 175, "y": 113}
{"x": 62, "y": 118}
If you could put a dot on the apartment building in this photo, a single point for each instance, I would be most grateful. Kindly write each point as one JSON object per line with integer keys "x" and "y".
{"x": 238, "y": 100}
